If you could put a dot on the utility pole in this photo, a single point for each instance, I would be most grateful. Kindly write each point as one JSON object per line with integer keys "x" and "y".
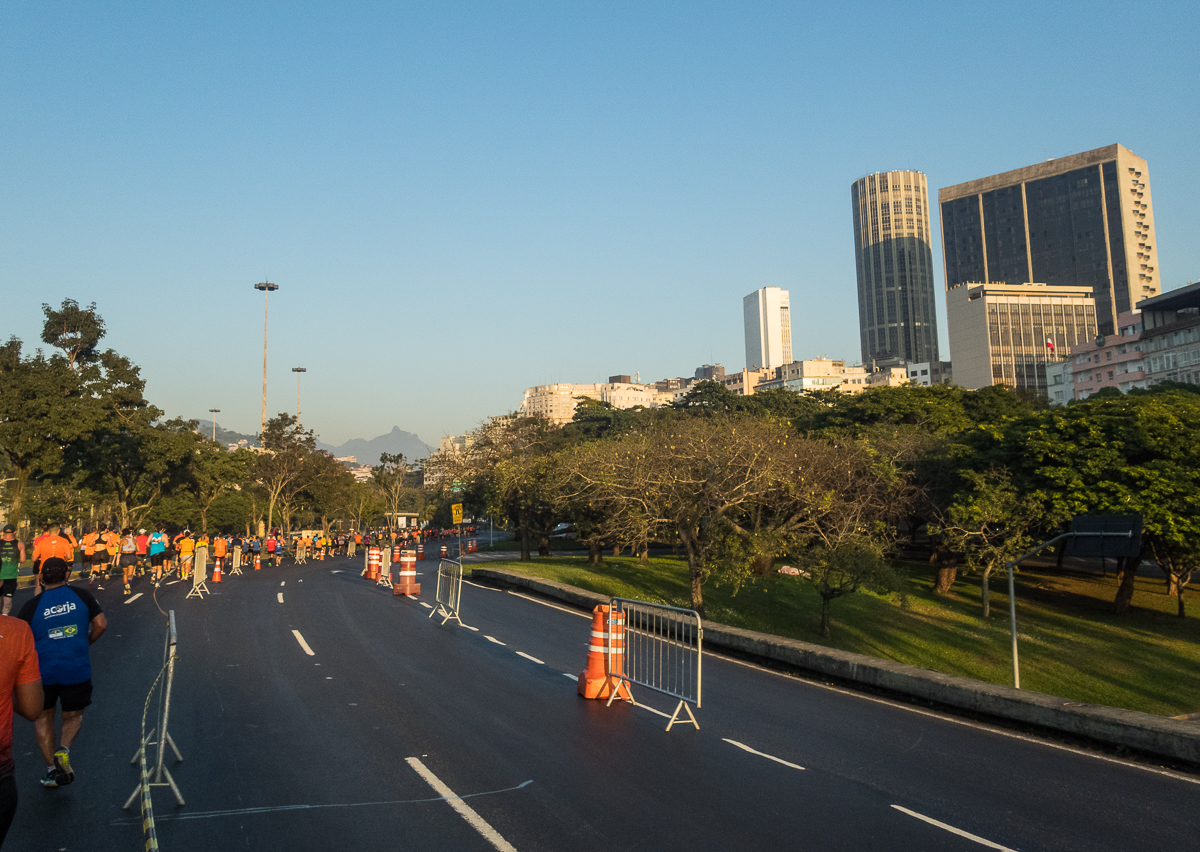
{"x": 215, "y": 412}
{"x": 266, "y": 287}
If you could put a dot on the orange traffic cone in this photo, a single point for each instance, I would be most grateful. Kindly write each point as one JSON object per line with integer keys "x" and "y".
{"x": 216, "y": 575}
{"x": 421, "y": 552}
{"x": 258, "y": 562}
{"x": 597, "y": 680}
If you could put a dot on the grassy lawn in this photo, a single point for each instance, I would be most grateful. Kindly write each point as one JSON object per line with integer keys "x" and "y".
{"x": 1071, "y": 644}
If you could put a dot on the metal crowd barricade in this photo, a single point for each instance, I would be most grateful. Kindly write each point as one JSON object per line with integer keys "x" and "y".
{"x": 164, "y": 739}
{"x": 449, "y": 589}
{"x": 661, "y": 650}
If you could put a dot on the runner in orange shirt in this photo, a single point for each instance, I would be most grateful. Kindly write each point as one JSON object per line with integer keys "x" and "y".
{"x": 49, "y": 545}
{"x": 89, "y": 550}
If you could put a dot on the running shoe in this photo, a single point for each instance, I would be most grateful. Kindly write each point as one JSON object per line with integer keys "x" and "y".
{"x": 51, "y": 778}
{"x": 62, "y": 761}
{"x": 128, "y": 590}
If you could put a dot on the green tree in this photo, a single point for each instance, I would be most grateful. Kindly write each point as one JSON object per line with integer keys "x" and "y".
{"x": 389, "y": 478}
{"x": 136, "y": 460}
{"x": 284, "y": 462}
{"x": 844, "y": 567}
{"x": 216, "y": 471}
{"x": 989, "y": 523}
{"x": 73, "y": 330}
{"x": 40, "y": 399}
{"x": 1133, "y": 454}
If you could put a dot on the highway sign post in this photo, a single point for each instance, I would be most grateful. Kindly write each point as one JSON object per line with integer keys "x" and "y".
{"x": 456, "y": 516}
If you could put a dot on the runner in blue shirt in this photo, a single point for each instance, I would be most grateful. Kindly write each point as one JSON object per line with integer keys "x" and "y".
{"x": 158, "y": 552}
{"x": 65, "y": 620}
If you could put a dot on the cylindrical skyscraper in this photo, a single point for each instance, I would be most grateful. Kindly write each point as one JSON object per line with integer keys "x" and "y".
{"x": 897, "y": 315}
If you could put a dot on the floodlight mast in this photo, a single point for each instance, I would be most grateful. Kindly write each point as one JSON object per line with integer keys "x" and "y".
{"x": 215, "y": 412}
{"x": 298, "y": 371}
{"x": 266, "y": 287}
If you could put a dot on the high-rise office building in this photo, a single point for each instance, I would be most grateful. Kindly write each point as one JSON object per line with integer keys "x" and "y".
{"x": 897, "y": 314}
{"x": 1083, "y": 221}
{"x": 768, "y": 326}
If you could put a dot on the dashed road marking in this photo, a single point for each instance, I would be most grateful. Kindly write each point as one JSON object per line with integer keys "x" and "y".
{"x": 280, "y": 596}
{"x": 469, "y": 627}
{"x": 464, "y": 810}
{"x": 745, "y": 747}
{"x": 134, "y": 598}
{"x": 427, "y": 606}
{"x": 303, "y": 644}
{"x": 281, "y": 582}
{"x": 494, "y": 639}
{"x": 571, "y": 676}
{"x": 981, "y": 841}
{"x": 533, "y": 659}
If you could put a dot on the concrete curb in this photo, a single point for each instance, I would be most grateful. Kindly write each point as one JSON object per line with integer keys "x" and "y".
{"x": 1144, "y": 732}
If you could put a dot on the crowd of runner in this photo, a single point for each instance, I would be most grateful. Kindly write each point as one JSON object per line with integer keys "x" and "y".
{"x": 108, "y": 553}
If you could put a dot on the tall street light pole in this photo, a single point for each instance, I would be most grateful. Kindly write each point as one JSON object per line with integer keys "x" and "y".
{"x": 266, "y": 287}
{"x": 215, "y": 412}
{"x": 298, "y": 371}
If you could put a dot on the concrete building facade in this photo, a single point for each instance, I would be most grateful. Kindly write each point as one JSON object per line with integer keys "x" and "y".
{"x": 766, "y": 314}
{"x": 1007, "y": 334}
{"x": 1170, "y": 340}
{"x": 1082, "y": 221}
{"x": 1108, "y": 361}
{"x": 897, "y": 313}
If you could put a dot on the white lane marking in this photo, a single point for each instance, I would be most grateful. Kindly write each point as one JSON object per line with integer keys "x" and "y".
{"x": 173, "y": 582}
{"x": 272, "y": 809}
{"x": 464, "y": 810}
{"x": 493, "y": 639}
{"x": 966, "y": 723}
{"x": 476, "y": 585}
{"x": 303, "y": 644}
{"x": 280, "y": 596}
{"x": 989, "y": 844}
{"x": 571, "y": 676}
{"x": 526, "y": 656}
{"x": 745, "y": 747}
{"x": 338, "y": 571}
{"x": 281, "y": 582}
{"x": 134, "y": 598}
{"x": 552, "y": 606}
{"x": 469, "y": 627}
{"x": 427, "y": 606}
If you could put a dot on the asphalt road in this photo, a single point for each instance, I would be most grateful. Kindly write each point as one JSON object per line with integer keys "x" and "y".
{"x": 399, "y": 733}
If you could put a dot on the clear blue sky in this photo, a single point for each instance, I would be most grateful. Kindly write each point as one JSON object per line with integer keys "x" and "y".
{"x": 460, "y": 200}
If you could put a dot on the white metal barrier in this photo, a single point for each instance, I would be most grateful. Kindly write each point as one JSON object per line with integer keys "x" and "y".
{"x": 449, "y": 590}
{"x": 164, "y": 737}
{"x": 662, "y": 650}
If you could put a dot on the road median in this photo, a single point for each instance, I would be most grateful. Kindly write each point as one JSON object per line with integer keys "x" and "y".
{"x": 1142, "y": 732}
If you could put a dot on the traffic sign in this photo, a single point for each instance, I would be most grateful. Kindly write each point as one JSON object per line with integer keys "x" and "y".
{"x": 456, "y": 512}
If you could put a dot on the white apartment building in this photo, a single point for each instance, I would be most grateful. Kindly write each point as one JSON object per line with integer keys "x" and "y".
{"x": 768, "y": 327}
{"x": 557, "y": 402}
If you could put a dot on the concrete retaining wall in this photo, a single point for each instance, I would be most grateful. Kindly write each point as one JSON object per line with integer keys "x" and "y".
{"x": 1144, "y": 732}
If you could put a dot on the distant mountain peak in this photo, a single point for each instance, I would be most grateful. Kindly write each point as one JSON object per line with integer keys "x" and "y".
{"x": 368, "y": 451}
